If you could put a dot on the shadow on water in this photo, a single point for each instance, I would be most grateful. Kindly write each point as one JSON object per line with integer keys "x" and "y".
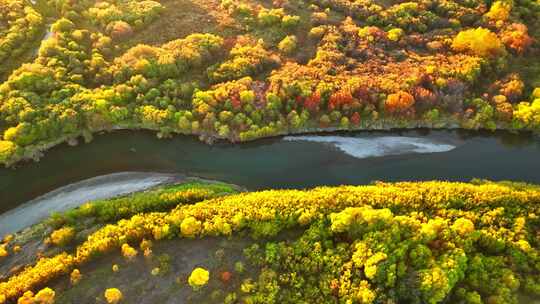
{"x": 279, "y": 163}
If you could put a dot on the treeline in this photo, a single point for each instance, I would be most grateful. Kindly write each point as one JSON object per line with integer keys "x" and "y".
{"x": 416, "y": 63}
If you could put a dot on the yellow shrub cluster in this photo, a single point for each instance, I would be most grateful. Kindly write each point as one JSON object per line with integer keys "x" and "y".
{"x": 62, "y": 236}
{"x": 480, "y": 41}
{"x": 463, "y": 226}
{"x": 44, "y": 270}
{"x": 3, "y": 251}
{"x": 198, "y": 278}
{"x": 44, "y": 296}
{"x": 7, "y": 149}
{"x": 499, "y": 11}
{"x": 128, "y": 252}
{"x": 75, "y": 276}
{"x": 246, "y": 210}
{"x": 113, "y": 295}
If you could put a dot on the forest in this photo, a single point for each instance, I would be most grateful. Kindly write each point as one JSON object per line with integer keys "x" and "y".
{"x": 427, "y": 191}
{"x": 245, "y": 69}
{"x": 427, "y": 242}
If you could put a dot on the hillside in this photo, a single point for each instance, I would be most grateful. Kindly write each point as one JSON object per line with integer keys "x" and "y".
{"x": 245, "y": 69}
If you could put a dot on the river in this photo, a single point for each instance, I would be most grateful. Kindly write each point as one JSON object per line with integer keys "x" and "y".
{"x": 283, "y": 162}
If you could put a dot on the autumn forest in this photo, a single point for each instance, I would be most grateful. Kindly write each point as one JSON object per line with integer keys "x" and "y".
{"x": 335, "y": 86}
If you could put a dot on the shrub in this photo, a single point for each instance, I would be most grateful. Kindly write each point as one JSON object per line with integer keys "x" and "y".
{"x": 7, "y": 150}
{"x": 395, "y": 34}
{"x": 120, "y": 30}
{"x": 113, "y": 295}
{"x": 45, "y": 296}
{"x": 480, "y": 41}
{"x": 198, "y": 278}
{"x": 500, "y": 10}
{"x": 75, "y": 276}
{"x": 190, "y": 227}
{"x": 63, "y": 236}
{"x": 317, "y": 32}
{"x": 399, "y": 103}
{"x": 63, "y": 25}
{"x": 288, "y": 45}
{"x": 129, "y": 252}
{"x": 463, "y": 226}
{"x": 527, "y": 115}
{"x": 536, "y": 93}
{"x": 247, "y": 58}
{"x": 247, "y": 97}
{"x": 517, "y": 38}
{"x": 3, "y": 251}
{"x": 290, "y": 22}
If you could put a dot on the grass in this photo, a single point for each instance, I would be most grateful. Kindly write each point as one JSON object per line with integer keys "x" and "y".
{"x": 183, "y": 17}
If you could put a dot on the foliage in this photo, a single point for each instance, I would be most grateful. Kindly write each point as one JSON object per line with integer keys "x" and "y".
{"x": 517, "y": 38}
{"x": 198, "y": 278}
{"x": 246, "y": 58}
{"x": 239, "y": 70}
{"x": 128, "y": 252}
{"x": 500, "y": 10}
{"x": 44, "y": 296}
{"x": 7, "y": 149}
{"x": 288, "y": 45}
{"x": 400, "y": 102}
{"x": 75, "y": 276}
{"x": 419, "y": 242}
{"x": 20, "y": 26}
{"x": 155, "y": 200}
{"x": 113, "y": 295}
{"x": 480, "y": 41}
{"x": 62, "y": 236}
{"x": 528, "y": 114}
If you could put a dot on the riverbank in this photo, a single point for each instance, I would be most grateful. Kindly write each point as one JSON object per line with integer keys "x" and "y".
{"x": 106, "y": 187}
{"x": 76, "y": 194}
{"x": 35, "y": 152}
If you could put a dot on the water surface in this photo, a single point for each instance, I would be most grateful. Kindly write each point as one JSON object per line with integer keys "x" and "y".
{"x": 300, "y": 162}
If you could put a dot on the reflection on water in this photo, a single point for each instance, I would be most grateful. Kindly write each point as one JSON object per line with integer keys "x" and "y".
{"x": 378, "y": 146}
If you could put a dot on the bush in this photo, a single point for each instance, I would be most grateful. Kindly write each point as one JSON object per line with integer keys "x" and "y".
{"x": 120, "y": 30}
{"x": 198, "y": 278}
{"x": 290, "y": 22}
{"x": 395, "y": 34}
{"x": 3, "y": 251}
{"x": 190, "y": 227}
{"x": 480, "y": 41}
{"x": 288, "y": 45}
{"x": 500, "y": 10}
{"x": 7, "y": 150}
{"x": 397, "y": 224}
{"x": 62, "y": 236}
{"x": 113, "y": 295}
{"x": 399, "y": 103}
{"x": 129, "y": 252}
